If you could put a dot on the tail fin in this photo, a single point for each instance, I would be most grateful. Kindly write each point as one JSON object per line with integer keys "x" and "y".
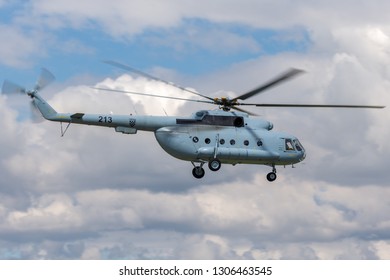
{"x": 46, "y": 110}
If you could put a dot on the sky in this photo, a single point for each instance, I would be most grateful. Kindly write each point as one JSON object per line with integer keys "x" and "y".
{"x": 98, "y": 194}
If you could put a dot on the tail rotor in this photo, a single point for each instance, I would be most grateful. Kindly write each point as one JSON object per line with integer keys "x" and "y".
{"x": 12, "y": 89}
{"x": 45, "y": 78}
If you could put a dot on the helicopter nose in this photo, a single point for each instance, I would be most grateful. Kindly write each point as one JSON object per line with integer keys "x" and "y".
{"x": 300, "y": 149}
{"x": 303, "y": 155}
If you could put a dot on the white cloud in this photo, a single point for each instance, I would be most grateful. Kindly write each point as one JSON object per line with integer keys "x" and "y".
{"x": 122, "y": 19}
{"x": 129, "y": 17}
{"x": 18, "y": 45}
{"x": 48, "y": 213}
{"x": 191, "y": 38}
{"x": 195, "y": 225}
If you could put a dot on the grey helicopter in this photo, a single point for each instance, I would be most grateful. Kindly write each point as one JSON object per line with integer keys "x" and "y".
{"x": 227, "y": 135}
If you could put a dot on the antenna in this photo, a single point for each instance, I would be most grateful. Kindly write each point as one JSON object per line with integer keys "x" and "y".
{"x": 135, "y": 110}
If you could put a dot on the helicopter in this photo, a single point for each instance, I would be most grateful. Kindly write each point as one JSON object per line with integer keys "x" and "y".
{"x": 227, "y": 135}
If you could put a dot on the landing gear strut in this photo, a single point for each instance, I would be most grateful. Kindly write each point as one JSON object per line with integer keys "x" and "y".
{"x": 272, "y": 175}
{"x": 198, "y": 171}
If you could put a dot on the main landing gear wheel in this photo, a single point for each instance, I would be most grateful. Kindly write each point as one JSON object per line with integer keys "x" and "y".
{"x": 198, "y": 172}
{"x": 214, "y": 164}
{"x": 271, "y": 176}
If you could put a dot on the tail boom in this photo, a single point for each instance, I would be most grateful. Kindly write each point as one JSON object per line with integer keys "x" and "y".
{"x": 122, "y": 123}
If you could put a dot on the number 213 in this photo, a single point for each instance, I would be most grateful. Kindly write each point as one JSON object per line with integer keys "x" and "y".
{"x": 105, "y": 119}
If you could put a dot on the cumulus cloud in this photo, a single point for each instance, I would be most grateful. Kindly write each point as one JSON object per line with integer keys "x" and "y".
{"x": 122, "y": 19}
{"x": 207, "y": 223}
{"x": 129, "y": 17}
{"x": 18, "y": 45}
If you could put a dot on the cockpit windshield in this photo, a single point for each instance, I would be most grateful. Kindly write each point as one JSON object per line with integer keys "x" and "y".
{"x": 293, "y": 145}
{"x": 298, "y": 145}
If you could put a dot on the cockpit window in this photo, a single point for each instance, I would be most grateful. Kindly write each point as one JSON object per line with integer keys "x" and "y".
{"x": 298, "y": 145}
{"x": 289, "y": 145}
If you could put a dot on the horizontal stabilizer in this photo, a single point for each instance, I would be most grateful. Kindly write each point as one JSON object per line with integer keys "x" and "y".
{"x": 77, "y": 116}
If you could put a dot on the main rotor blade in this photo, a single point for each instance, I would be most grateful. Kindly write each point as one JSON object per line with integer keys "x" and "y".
{"x": 154, "y": 95}
{"x": 244, "y": 111}
{"x": 131, "y": 69}
{"x": 279, "y": 79}
{"x": 313, "y": 105}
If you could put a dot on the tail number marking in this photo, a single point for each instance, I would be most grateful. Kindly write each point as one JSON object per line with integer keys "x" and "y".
{"x": 105, "y": 119}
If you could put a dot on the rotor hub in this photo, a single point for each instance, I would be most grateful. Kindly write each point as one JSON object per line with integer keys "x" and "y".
{"x": 225, "y": 103}
{"x": 31, "y": 93}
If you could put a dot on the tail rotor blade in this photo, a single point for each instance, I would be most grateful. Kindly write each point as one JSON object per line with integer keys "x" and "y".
{"x": 35, "y": 114}
{"x": 12, "y": 88}
{"x": 44, "y": 79}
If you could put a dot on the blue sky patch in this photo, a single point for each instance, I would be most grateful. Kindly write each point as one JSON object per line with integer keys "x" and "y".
{"x": 194, "y": 47}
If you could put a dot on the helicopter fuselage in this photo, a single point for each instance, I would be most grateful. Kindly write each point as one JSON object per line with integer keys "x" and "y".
{"x": 232, "y": 138}
{"x": 205, "y": 136}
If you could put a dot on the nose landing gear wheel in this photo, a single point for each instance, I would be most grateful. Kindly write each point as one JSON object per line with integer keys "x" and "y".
{"x": 271, "y": 176}
{"x": 198, "y": 172}
{"x": 214, "y": 164}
